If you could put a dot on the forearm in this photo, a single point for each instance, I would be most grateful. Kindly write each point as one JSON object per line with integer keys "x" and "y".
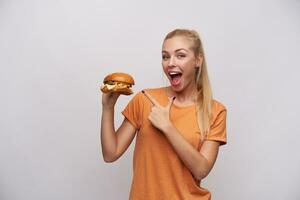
{"x": 108, "y": 135}
{"x": 193, "y": 160}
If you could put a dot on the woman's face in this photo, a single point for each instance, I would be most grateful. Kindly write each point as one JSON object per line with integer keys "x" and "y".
{"x": 179, "y": 63}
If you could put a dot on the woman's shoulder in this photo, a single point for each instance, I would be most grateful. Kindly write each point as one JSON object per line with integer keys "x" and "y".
{"x": 159, "y": 94}
{"x": 219, "y": 111}
{"x": 155, "y": 92}
{"x": 218, "y": 106}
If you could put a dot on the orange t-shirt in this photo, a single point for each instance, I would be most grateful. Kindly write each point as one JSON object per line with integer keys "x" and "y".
{"x": 158, "y": 172}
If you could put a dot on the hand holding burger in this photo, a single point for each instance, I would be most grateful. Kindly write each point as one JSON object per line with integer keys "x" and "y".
{"x": 118, "y": 83}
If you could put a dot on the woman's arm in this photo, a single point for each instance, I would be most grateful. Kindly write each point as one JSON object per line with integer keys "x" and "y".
{"x": 199, "y": 163}
{"x": 114, "y": 143}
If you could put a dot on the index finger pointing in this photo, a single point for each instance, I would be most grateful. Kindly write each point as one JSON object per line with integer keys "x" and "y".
{"x": 153, "y": 101}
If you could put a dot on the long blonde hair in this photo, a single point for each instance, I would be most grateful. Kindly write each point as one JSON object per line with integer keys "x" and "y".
{"x": 204, "y": 92}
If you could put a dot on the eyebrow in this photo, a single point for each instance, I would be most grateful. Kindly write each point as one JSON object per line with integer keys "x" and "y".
{"x": 163, "y": 51}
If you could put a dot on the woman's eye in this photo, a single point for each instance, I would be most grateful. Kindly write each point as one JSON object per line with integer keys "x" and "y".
{"x": 180, "y": 56}
{"x": 165, "y": 57}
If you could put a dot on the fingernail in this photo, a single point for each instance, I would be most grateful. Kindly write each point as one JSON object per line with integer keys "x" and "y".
{"x": 143, "y": 91}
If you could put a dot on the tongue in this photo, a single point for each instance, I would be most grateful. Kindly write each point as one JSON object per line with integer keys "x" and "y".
{"x": 176, "y": 80}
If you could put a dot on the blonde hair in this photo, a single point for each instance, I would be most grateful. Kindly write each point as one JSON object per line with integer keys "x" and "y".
{"x": 204, "y": 92}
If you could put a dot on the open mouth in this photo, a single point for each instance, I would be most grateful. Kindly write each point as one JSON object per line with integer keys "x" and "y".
{"x": 175, "y": 78}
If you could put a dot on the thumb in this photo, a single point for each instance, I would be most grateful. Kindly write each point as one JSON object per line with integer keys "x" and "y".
{"x": 170, "y": 103}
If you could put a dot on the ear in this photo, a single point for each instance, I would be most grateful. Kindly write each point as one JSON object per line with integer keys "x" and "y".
{"x": 199, "y": 61}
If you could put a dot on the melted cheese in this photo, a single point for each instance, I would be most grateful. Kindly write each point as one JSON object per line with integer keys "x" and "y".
{"x": 112, "y": 85}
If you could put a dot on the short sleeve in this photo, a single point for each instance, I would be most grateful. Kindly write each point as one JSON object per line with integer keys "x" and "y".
{"x": 218, "y": 127}
{"x": 133, "y": 111}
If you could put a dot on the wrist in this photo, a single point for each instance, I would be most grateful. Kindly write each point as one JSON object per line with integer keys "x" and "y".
{"x": 108, "y": 108}
{"x": 168, "y": 128}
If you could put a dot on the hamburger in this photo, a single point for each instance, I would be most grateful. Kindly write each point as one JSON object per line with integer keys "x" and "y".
{"x": 119, "y": 83}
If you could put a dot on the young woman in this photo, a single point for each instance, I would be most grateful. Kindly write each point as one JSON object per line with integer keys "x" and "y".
{"x": 178, "y": 128}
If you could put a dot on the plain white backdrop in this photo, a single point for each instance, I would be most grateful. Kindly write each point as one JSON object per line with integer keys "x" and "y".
{"x": 55, "y": 54}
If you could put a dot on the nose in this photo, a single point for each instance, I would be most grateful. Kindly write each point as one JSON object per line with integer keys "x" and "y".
{"x": 171, "y": 62}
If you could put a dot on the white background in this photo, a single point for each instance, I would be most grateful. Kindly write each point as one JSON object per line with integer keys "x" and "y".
{"x": 55, "y": 54}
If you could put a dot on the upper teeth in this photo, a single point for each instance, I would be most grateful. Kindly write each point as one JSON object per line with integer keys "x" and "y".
{"x": 173, "y": 73}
